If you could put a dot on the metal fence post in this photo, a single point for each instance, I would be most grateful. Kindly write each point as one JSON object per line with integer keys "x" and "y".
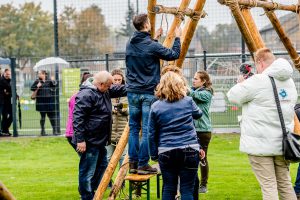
{"x": 56, "y": 52}
{"x": 14, "y": 95}
{"x": 106, "y": 62}
{"x": 204, "y": 60}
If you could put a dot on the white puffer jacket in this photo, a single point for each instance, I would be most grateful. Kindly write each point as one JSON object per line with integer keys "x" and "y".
{"x": 261, "y": 133}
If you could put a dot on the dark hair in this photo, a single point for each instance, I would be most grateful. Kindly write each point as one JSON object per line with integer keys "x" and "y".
{"x": 6, "y": 70}
{"x": 118, "y": 72}
{"x": 85, "y": 76}
{"x": 203, "y": 75}
{"x": 139, "y": 21}
{"x": 44, "y": 72}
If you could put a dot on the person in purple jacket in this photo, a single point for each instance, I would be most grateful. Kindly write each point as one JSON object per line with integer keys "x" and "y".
{"x": 69, "y": 125}
{"x": 172, "y": 136}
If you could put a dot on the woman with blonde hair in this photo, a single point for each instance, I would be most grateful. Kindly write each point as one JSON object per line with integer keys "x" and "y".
{"x": 172, "y": 136}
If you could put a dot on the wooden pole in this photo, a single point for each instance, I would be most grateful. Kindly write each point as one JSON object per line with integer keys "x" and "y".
{"x": 119, "y": 179}
{"x": 284, "y": 38}
{"x": 169, "y": 40}
{"x": 159, "y": 9}
{"x": 259, "y": 43}
{"x": 266, "y": 5}
{"x": 188, "y": 32}
{"x": 176, "y": 23}
{"x": 5, "y": 194}
{"x": 112, "y": 164}
{"x": 235, "y": 9}
{"x": 151, "y": 15}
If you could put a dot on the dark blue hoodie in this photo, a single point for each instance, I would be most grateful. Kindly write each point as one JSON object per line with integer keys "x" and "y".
{"x": 143, "y": 56}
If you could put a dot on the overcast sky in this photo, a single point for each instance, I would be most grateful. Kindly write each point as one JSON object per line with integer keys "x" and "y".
{"x": 115, "y": 10}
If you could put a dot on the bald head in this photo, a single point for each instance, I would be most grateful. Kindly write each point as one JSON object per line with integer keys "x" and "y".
{"x": 103, "y": 80}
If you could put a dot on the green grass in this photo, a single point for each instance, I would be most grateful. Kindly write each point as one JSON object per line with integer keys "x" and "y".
{"x": 46, "y": 169}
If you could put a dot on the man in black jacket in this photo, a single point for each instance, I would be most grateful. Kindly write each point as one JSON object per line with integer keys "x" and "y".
{"x": 92, "y": 120}
{"x": 143, "y": 56}
{"x": 5, "y": 101}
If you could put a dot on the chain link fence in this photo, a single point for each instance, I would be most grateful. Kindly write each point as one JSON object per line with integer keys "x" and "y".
{"x": 92, "y": 36}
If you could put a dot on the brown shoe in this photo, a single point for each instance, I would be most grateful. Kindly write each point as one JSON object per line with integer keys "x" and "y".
{"x": 147, "y": 169}
{"x": 133, "y": 168}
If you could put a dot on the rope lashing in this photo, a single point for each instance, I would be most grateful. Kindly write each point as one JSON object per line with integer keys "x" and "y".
{"x": 297, "y": 62}
{"x": 233, "y": 4}
{"x": 179, "y": 14}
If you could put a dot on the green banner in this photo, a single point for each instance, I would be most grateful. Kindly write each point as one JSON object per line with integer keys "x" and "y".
{"x": 70, "y": 81}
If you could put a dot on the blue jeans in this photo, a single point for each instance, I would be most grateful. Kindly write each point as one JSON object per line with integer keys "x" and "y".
{"x": 182, "y": 163}
{"x": 110, "y": 151}
{"x": 92, "y": 165}
{"x": 139, "y": 108}
{"x": 297, "y": 182}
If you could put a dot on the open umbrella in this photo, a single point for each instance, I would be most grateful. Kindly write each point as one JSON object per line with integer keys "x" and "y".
{"x": 47, "y": 63}
{"x": 4, "y": 61}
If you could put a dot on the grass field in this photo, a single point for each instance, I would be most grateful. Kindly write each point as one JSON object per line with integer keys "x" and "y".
{"x": 46, "y": 168}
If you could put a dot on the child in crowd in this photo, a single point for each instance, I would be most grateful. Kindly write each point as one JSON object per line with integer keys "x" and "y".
{"x": 69, "y": 125}
{"x": 172, "y": 136}
{"x": 202, "y": 93}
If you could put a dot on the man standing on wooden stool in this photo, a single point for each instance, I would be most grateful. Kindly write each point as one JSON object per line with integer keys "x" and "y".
{"x": 143, "y": 56}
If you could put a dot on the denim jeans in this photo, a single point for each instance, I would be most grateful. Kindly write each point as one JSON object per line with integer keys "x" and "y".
{"x": 110, "y": 151}
{"x": 92, "y": 165}
{"x": 139, "y": 108}
{"x": 297, "y": 182}
{"x": 182, "y": 163}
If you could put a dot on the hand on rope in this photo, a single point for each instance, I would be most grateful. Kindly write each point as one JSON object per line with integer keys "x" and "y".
{"x": 158, "y": 33}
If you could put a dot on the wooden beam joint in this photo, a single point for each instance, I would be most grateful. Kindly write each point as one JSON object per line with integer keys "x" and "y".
{"x": 263, "y": 4}
{"x": 160, "y": 9}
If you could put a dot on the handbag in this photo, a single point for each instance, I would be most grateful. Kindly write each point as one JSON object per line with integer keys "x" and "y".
{"x": 290, "y": 141}
{"x": 34, "y": 94}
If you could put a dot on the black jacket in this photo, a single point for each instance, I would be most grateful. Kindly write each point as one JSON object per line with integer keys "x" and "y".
{"x": 5, "y": 91}
{"x": 92, "y": 115}
{"x": 143, "y": 62}
{"x": 45, "y": 98}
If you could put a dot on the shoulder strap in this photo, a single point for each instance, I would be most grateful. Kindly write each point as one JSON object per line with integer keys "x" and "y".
{"x": 278, "y": 106}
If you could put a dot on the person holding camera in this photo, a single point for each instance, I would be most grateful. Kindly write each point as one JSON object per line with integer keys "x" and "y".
{"x": 45, "y": 100}
{"x": 119, "y": 116}
{"x": 261, "y": 132}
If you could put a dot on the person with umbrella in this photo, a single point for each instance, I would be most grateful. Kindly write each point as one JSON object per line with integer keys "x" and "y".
{"x": 6, "y": 106}
{"x": 45, "y": 100}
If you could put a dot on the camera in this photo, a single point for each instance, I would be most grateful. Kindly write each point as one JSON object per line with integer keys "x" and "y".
{"x": 118, "y": 106}
{"x": 246, "y": 69}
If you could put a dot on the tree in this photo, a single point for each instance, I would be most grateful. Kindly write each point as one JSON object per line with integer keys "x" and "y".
{"x": 223, "y": 38}
{"x": 26, "y": 31}
{"x": 127, "y": 29}
{"x": 83, "y": 33}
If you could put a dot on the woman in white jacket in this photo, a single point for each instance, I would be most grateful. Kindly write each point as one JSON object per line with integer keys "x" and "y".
{"x": 261, "y": 133}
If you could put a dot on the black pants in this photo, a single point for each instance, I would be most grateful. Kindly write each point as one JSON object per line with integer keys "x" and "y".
{"x": 6, "y": 118}
{"x": 51, "y": 116}
{"x": 204, "y": 139}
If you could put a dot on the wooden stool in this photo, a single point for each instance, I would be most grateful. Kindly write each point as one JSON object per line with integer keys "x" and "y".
{"x": 142, "y": 182}
{"x": 137, "y": 181}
